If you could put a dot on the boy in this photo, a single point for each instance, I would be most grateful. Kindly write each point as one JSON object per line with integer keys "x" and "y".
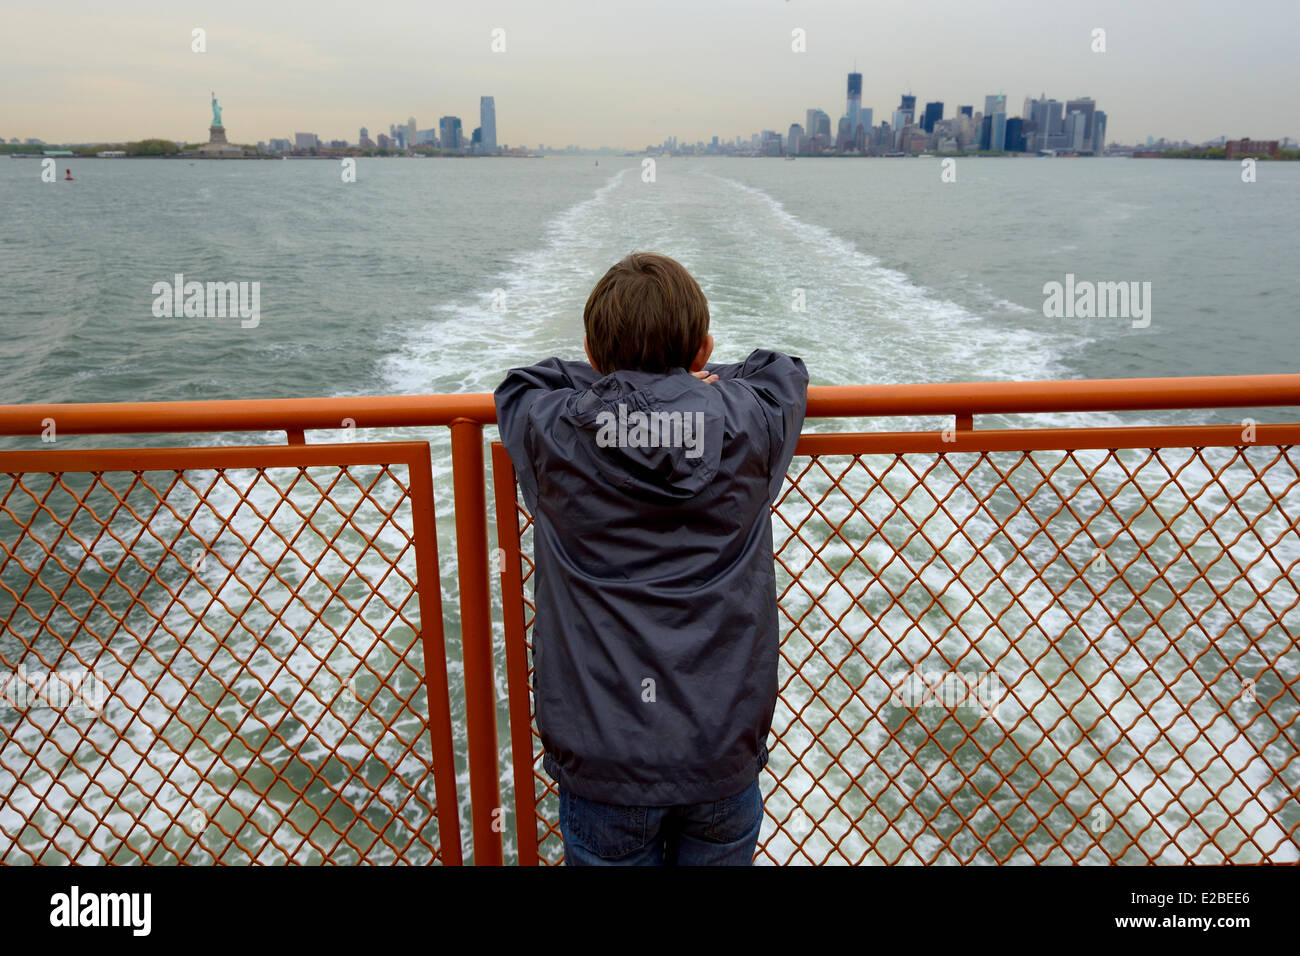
{"x": 650, "y": 475}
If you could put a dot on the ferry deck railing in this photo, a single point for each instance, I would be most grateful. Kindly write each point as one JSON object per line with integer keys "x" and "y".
{"x": 998, "y": 645}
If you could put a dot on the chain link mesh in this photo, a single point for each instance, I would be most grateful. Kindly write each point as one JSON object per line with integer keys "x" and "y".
{"x": 206, "y": 663}
{"x": 1079, "y": 656}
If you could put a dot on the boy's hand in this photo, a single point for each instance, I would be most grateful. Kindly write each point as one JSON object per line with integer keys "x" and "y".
{"x": 705, "y": 376}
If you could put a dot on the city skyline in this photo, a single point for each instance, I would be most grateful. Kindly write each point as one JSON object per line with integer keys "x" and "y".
{"x": 689, "y": 71}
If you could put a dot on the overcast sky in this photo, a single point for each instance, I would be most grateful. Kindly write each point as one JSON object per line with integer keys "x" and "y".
{"x": 618, "y": 73}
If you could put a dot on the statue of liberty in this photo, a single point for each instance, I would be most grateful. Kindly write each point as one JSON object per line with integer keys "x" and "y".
{"x": 216, "y": 111}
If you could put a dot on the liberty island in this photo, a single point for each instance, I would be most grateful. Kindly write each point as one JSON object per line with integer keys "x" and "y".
{"x": 217, "y": 146}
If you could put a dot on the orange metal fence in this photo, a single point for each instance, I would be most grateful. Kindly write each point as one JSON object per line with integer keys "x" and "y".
{"x": 1028, "y": 645}
{"x": 180, "y": 694}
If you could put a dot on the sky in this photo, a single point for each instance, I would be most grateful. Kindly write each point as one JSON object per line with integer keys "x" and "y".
{"x": 628, "y": 73}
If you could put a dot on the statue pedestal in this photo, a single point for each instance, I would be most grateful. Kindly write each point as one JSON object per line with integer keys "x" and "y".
{"x": 217, "y": 146}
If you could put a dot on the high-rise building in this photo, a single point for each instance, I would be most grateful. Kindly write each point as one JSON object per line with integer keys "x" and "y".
{"x": 365, "y": 135}
{"x": 449, "y": 132}
{"x": 998, "y": 131}
{"x": 908, "y": 104}
{"x": 1099, "y": 132}
{"x": 411, "y": 132}
{"x": 1015, "y": 135}
{"x": 304, "y": 140}
{"x": 993, "y": 131}
{"x": 853, "y": 108}
{"x": 995, "y": 103}
{"x": 487, "y": 117}
{"x": 933, "y": 113}
{"x": 844, "y": 135}
{"x": 965, "y": 110}
{"x": 1088, "y": 108}
{"x": 824, "y": 125}
{"x": 794, "y": 138}
{"x": 1076, "y": 125}
{"x": 1047, "y": 121}
{"x": 897, "y": 123}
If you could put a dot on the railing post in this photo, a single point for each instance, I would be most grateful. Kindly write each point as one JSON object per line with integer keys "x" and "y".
{"x": 468, "y": 479}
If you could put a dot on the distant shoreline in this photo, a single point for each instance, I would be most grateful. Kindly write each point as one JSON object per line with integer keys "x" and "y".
{"x": 193, "y": 155}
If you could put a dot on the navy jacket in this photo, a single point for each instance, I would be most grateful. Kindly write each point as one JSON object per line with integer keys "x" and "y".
{"x": 655, "y": 639}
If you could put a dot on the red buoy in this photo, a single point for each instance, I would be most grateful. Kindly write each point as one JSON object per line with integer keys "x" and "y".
{"x": 68, "y": 178}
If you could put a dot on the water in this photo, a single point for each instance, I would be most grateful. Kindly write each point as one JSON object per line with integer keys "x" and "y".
{"x": 384, "y": 285}
{"x": 388, "y": 285}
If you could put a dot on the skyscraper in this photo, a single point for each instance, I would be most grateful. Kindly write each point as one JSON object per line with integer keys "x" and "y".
{"x": 965, "y": 111}
{"x": 411, "y": 132}
{"x": 993, "y": 132}
{"x": 865, "y": 117}
{"x": 1088, "y": 108}
{"x": 906, "y": 112}
{"x": 1015, "y": 142}
{"x": 854, "y": 107}
{"x": 487, "y": 117}
{"x": 995, "y": 103}
{"x": 933, "y": 113}
{"x": 844, "y": 135}
{"x": 449, "y": 132}
{"x": 1099, "y": 132}
{"x": 998, "y": 131}
{"x": 818, "y": 124}
{"x": 1047, "y": 123}
{"x": 897, "y": 123}
{"x": 1076, "y": 125}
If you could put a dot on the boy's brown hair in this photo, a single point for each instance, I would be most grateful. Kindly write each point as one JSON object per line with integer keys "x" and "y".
{"x": 646, "y": 313}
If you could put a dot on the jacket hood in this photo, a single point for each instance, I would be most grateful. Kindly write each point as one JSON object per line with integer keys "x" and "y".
{"x": 658, "y": 435}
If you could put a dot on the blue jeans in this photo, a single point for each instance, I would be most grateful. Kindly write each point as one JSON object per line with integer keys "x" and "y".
{"x": 721, "y": 833}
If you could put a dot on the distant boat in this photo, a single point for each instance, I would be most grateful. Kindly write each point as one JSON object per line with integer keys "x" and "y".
{"x": 790, "y": 158}
{"x": 598, "y": 162}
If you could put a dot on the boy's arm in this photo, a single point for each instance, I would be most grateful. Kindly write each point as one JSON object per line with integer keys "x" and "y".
{"x": 780, "y": 382}
{"x": 514, "y": 399}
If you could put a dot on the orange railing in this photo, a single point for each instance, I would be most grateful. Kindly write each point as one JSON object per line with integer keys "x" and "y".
{"x": 1030, "y": 644}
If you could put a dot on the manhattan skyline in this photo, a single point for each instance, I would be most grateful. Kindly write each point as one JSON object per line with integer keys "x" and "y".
{"x": 626, "y": 76}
